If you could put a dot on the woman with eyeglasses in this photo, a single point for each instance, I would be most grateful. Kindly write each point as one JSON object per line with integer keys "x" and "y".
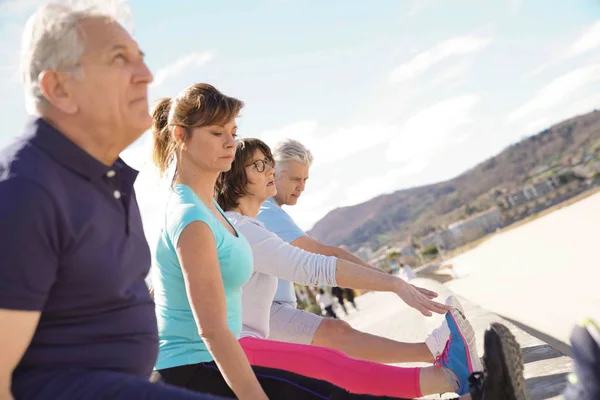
{"x": 240, "y": 192}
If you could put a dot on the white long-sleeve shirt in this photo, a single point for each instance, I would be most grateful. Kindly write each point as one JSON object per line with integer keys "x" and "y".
{"x": 274, "y": 258}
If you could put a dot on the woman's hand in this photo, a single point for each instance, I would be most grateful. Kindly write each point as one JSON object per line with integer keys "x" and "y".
{"x": 420, "y": 299}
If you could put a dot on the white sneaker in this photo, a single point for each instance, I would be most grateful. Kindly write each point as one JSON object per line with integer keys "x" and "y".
{"x": 438, "y": 338}
{"x": 453, "y": 301}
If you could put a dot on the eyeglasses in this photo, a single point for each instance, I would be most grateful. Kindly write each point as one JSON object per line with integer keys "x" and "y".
{"x": 260, "y": 165}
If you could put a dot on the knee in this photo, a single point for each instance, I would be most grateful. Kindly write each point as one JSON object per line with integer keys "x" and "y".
{"x": 334, "y": 333}
{"x": 335, "y": 327}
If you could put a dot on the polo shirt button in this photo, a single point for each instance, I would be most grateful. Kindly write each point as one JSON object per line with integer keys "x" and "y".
{"x": 117, "y": 194}
{"x": 111, "y": 174}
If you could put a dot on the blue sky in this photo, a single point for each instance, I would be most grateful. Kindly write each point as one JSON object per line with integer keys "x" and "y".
{"x": 388, "y": 94}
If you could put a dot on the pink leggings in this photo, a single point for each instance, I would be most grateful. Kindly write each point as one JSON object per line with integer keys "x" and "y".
{"x": 356, "y": 376}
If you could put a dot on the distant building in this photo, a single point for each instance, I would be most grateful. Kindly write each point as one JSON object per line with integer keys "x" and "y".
{"x": 475, "y": 226}
{"x": 537, "y": 196}
{"x": 432, "y": 239}
{"x": 517, "y": 204}
{"x": 588, "y": 170}
{"x": 466, "y": 230}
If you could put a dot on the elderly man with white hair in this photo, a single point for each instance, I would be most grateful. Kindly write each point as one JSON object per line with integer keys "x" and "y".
{"x": 76, "y": 318}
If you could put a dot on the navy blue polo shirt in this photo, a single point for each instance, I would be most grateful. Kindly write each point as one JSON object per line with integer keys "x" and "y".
{"x": 72, "y": 246}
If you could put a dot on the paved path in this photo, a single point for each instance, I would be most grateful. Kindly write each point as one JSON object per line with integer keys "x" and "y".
{"x": 544, "y": 274}
{"x": 386, "y": 315}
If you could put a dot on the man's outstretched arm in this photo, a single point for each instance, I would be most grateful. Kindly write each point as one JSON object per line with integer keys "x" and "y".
{"x": 314, "y": 246}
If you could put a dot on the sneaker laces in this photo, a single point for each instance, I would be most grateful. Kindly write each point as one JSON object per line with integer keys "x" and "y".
{"x": 443, "y": 358}
{"x": 435, "y": 339}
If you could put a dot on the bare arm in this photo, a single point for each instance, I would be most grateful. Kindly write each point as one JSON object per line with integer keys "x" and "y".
{"x": 314, "y": 246}
{"x": 14, "y": 343}
{"x": 362, "y": 276}
{"x": 197, "y": 253}
{"x": 356, "y": 276}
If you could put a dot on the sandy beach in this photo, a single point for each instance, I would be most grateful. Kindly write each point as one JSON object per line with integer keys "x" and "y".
{"x": 544, "y": 274}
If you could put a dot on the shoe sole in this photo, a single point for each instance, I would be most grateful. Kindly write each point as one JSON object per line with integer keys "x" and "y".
{"x": 503, "y": 361}
{"x": 593, "y": 329}
{"x": 468, "y": 336}
{"x": 453, "y": 302}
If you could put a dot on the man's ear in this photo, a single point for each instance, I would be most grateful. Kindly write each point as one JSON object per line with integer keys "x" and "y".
{"x": 56, "y": 89}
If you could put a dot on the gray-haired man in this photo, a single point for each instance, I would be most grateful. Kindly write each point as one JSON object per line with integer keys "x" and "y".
{"x": 76, "y": 318}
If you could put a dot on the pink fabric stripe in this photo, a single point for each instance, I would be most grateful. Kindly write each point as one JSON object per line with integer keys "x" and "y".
{"x": 356, "y": 376}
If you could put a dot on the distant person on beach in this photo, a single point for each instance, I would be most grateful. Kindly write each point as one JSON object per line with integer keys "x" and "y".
{"x": 338, "y": 292}
{"x": 76, "y": 318}
{"x": 326, "y": 303}
{"x": 350, "y": 297}
{"x": 406, "y": 272}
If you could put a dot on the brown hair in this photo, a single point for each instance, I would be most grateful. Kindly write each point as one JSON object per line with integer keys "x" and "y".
{"x": 199, "y": 105}
{"x": 231, "y": 185}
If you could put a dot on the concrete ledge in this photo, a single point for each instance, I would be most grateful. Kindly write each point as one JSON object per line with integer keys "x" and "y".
{"x": 384, "y": 314}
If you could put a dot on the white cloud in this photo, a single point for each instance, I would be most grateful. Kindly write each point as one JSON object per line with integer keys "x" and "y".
{"x": 388, "y": 182}
{"x": 537, "y": 71}
{"x": 347, "y": 141}
{"x": 457, "y": 46}
{"x": 10, "y": 42}
{"x": 18, "y": 7}
{"x": 515, "y": 6}
{"x": 452, "y": 73}
{"x": 299, "y": 131}
{"x": 584, "y": 105}
{"x": 558, "y": 91}
{"x": 418, "y": 6}
{"x": 330, "y": 145}
{"x": 536, "y": 126}
{"x": 589, "y": 40}
{"x": 412, "y": 145}
{"x": 196, "y": 59}
{"x": 428, "y": 131}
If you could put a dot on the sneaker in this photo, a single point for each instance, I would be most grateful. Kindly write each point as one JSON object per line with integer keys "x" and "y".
{"x": 453, "y": 301}
{"x": 437, "y": 339}
{"x": 459, "y": 357}
{"x": 584, "y": 381}
{"x": 502, "y": 378}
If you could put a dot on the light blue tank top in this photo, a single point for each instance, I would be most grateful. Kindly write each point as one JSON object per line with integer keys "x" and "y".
{"x": 179, "y": 341}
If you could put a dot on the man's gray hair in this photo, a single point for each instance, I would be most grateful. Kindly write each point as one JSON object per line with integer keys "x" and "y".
{"x": 52, "y": 41}
{"x": 291, "y": 150}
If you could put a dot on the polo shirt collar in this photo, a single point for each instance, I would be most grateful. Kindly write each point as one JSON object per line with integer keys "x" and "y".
{"x": 272, "y": 200}
{"x": 67, "y": 153}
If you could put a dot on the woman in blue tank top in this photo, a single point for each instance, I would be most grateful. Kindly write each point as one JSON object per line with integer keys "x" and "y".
{"x": 201, "y": 260}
